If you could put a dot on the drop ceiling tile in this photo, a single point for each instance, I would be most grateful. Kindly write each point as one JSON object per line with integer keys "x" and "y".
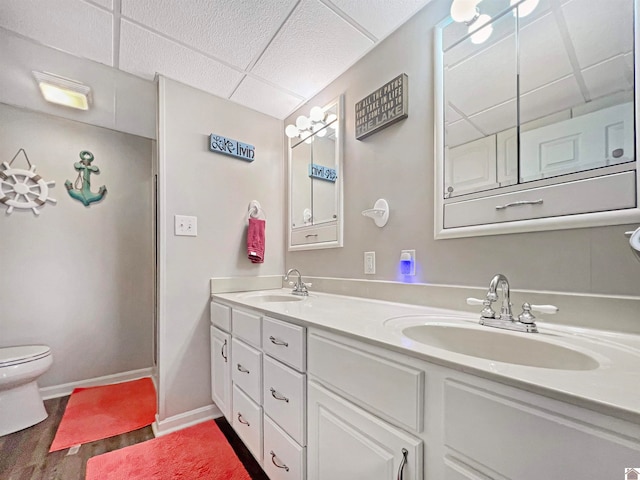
{"x": 552, "y": 98}
{"x": 264, "y": 98}
{"x": 461, "y": 132}
{"x": 608, "y": 77}
{"x": 314, "y": 46}
{"x": 230, "y": 30}
{"x": 74, "y": 26}
{"x": 144, "y": 53}
{"x": 380, "y": 17}
{"x": 108, "y": 4}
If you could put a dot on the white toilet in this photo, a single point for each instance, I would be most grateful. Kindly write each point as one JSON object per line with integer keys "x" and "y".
{"x": 20, "y": 402}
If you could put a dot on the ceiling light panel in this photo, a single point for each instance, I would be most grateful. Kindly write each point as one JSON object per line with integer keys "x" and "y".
{"x": 74, "y": 26}
{"x": 380, "y": 17}
{"x": 314, "y": 47}
{"x": 144, "y": 53}
{"x": 230, "y": 30}
{"x": 265, "y": 98}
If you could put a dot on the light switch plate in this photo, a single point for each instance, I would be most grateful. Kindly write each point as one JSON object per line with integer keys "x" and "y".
{"x": 369, "y": 263}
{"x": 186, "y": 225}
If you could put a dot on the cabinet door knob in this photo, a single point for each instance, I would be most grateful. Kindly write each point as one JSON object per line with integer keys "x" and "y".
{"x": 242, "y": 369}
{"x": 242, "y": 420}
{"x": 276, "y": 341}
{"x": 222, "y": 351}
{"x": 405, "y": 452}
{"x": 278, "y": 396}
{"x": 273, "y": 460}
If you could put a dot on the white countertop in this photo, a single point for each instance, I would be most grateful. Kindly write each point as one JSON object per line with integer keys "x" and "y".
{"x": 613, "y": 388}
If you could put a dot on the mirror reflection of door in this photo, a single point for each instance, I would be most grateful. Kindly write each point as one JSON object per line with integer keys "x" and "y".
{"x": 562, "y": 75}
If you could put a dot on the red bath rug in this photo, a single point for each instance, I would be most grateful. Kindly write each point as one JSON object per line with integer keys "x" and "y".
{"x": 199, "y": 452}
{"x": 95, "y": 413}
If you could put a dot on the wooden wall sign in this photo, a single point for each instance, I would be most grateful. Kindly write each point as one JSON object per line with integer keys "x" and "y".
{"x": 228, "y": 146}
{"x": 385, "y": 106}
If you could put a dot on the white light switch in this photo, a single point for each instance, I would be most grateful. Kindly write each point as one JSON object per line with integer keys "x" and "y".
{"x": 186, "y": 225}
{"x": 369, "y": 263}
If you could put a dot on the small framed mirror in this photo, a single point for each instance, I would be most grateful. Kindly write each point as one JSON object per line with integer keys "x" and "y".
{"x": 315, "y": 178}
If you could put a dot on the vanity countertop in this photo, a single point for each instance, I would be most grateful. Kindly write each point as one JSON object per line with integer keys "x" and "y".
{"x": 613, "y": 388}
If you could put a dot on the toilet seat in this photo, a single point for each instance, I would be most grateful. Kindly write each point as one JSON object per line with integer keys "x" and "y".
{"x": 10, "y": 356}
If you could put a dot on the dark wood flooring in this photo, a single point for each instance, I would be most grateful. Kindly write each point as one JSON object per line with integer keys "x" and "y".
{"x": 24, "y": 454}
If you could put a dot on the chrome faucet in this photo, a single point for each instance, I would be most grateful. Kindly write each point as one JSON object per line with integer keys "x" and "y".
{"x": 299, "y": 288}
{"x": 524, "y": 322}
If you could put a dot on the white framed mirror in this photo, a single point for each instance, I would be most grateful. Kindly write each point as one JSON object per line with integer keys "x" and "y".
{"x": 535, "y": 117}
{"x": 315, "y": 178}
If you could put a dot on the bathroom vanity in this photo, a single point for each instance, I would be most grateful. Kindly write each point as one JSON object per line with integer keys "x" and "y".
{"x": 330, "y": 387}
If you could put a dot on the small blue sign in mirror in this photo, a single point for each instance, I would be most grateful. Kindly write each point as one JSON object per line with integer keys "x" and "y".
{"x": 322, "y": 173}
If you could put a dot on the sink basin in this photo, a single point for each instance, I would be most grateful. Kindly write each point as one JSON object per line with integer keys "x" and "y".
{"x": 275, "y": 298}
{"x": 493, "y": 344}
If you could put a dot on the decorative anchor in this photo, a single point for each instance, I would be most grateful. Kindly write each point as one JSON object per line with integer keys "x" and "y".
{"x": 82, "y": 190}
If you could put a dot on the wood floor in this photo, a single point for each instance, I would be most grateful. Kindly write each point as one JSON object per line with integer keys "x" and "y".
{"x": 24, "y": 454}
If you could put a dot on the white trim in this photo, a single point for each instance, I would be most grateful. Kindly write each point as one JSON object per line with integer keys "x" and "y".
{"x": 184, "y": 420}
{"x": 65, "y": 389}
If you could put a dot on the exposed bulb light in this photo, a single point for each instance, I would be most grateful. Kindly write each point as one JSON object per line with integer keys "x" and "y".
{"x": 314, "y": 124}
{"x": 303, "y": 122}
{"x": 525, "y": 8}
{"x": 291, "y": 131}
{"x": 481, "y": 29}
{"x": 317, "y": 114}
{"x": 63, "y": 91}
{"x": 332, "y": 117}
{"x": 464, "y": 10}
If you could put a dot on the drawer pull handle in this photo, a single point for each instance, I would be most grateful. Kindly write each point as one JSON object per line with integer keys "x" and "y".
{"x": 405, "y": 452}
{"x": 276, "y": 341}
{"x": 222, "y": 351}
{"x": 243, "y": 421}
{"x": 278, "y": 396}
{"x": 273, "y": 460}
{"x": 519, "y": 204}
{"x": 242, "y": 369}
{"x": 309, "y": 235}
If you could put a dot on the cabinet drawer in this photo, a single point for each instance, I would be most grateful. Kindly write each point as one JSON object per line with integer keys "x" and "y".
{"x": 387, "y": 388}
{"x": 220, "y": 316}
{"x": 284, "y": 397}
{"x": 284, "y": 341}
{"x": 315, "y": 234}
{"x": 246, "y": 369}
{"x": 247, "y": 422}
{"x": 599, "y": 194}
{"x": 284, "y": 459}
{"x": 246, "y": 325}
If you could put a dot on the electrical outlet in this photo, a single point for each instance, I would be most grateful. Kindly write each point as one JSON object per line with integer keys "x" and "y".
{"x": 369, "y": 263}
{"x": 186, "y": 225}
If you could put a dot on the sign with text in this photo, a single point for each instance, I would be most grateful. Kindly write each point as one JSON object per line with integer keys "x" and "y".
{"x": 220, "y": 144}
{"x": 322, "y": 173}
{"x": 385, "y": 106}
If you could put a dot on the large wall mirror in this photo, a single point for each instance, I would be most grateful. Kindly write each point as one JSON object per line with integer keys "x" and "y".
{"x": 315, "y": 178}
{"x": 536, "y": 117}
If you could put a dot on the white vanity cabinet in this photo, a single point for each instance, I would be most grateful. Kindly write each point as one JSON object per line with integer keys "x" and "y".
{"x": 221, "y": 371}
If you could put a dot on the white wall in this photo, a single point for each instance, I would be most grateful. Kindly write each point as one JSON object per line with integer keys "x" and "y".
{"x": 77, "y": 278}
{"x": 397, "y": 164}
{"x": 217, "y": 189}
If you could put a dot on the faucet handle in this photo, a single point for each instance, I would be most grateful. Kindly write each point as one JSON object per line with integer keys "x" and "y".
{"x": 475, "y": 301}
{"x": 527, "y": 317}
{"x": 487, "y": 311}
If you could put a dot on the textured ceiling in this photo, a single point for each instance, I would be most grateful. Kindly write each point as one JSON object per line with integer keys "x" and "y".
{"x": 269, "y": 55}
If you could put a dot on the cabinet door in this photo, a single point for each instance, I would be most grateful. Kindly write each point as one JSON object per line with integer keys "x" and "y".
{"x": 221, "y": 371}
{"x": 471, "y": 167}
{"x": 345, "y": 442}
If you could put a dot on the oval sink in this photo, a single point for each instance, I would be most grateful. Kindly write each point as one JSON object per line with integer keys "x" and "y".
{"x": 493, "y": 344}
{"x": 273, "y": 298}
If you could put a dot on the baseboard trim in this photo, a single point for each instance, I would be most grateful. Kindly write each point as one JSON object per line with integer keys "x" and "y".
{"x": 184, "y": 420}
{"x": 65, "y": 389}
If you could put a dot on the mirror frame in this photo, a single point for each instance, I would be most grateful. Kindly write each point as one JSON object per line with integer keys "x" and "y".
{"x": 338, "y": 102}
{"x": 597, "y": 219}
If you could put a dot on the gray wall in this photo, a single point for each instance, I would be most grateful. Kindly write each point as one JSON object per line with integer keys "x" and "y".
{"x": 79, "y": 279}
{"x": 397, "y": 164}
{"x": 217, "y": 189}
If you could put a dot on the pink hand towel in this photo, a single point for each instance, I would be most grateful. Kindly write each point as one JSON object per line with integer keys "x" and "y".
{"x": 255, "y": 240}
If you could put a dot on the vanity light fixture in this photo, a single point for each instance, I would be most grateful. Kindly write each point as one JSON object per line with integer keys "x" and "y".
{"x": 63, "y": 91}
{"x": 481, "y": 29}
{"x": 465, "y": 10}
{"x": 315, "y": 123}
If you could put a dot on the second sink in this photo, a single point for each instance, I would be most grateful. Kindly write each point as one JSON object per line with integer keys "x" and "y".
{"x": 492, "y": 344}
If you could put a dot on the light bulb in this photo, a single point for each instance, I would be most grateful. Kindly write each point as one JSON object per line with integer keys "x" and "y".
{"x": 291, "y": 131}
{"x": 322, "y": 133}
{"x": 463, "y": 10}
{"x": 481, "y": 29}
{"x": 525, "y": 8}
{"x": 302, "y": 122}
{"x": 332, "y": 117}
{"x": 316, "y": 114}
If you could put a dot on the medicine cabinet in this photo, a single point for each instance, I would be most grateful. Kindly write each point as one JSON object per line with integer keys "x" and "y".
{"x": 315, "y": 178}
{"x": 536, "y": 117}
